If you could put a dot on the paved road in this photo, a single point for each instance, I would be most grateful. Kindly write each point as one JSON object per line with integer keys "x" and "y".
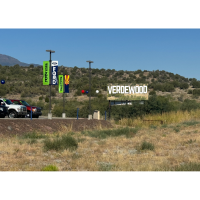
{"x": 41, "y": 117}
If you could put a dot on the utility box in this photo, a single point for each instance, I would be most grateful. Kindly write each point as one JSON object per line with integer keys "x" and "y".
{"x": 96, "y": 114}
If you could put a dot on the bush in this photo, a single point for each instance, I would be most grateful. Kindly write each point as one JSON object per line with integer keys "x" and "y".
{"x": 41, "y": 98}
{"x": 46, "y": 99}
{"x": 152, "y": 92}
{"x": 190, "y": 123}
{"x": 128, "y": 132}
{"x": 196, "y": 92}
{"x": 189, "y": 105}
{"x": 50, "y": 168}
{"x": 65, "y": 142}
{"x": 176, "y": 129}
{"x": 33, "y": 135}
{"x": 184, "y": 86}
{"x": 147, "y": 146}
{"x": 187, "y": 167}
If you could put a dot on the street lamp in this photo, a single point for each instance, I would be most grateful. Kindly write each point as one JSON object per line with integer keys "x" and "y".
{"x": 89, "y": 84}
{"x": 50, "y": 82}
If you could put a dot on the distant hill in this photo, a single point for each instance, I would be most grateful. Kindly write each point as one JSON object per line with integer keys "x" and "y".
{"x": 10, "y": 61}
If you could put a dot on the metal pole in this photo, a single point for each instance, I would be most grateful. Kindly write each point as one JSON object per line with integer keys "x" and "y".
{"x": 31, "y": 112}
{"x": 50, "y": 86}
{"x": 109, "y": 109}
{"x": 63, "y": 91}
{"x": 90, "y": 88}
{"x": 77, "y": 112}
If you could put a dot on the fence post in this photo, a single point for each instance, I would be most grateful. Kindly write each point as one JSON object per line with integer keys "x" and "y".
{"x": 105, "y": 115}
{"x": 31, "y": 112}
{"x": 77, "y": 112}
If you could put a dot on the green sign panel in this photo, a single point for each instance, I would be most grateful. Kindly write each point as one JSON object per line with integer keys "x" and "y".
{"x": 46, "y": 73}
{"x": 60, "y": 78}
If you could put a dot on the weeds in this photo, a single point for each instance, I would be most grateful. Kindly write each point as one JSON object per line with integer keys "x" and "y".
{"x": 176, "y": 129}
{"x": 32, "y": 141}
{"x": 102, "y": 134}
{"x": 50, "y": 168}
{"x": 33, "y": 135}
{"x": 153, "y": 126}
{"x": 185, "y": 167}
{"x": 190, "y": 141}
{"x": 147, "y": 146}
{"x": 105, "y": 166}
{"x": 190, "y": 123}
{"x": 65, "y": 142}
{"x": 76, "y": 156}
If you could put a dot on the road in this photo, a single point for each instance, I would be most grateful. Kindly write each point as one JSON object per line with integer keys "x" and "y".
{"x": 41, "y": 117}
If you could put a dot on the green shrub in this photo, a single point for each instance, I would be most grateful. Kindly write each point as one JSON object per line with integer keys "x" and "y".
{"x": 176, "y": 129}
{"x": 32, "y": 141}
{"x": 65, "y": 142}
{"x": 33, "y": 135}
{"x": 46, "y": 99}
{"x": 190, "y": 123}
{"x": 152, "y": 92}
{"x": 153, "y": 126}
{"x": 50, "y": 168}
{"x": 128, "y": 132}
{"x": 164, "y": 126}
{"x": 41, "y": 98}
{"x": 105, "y": 166}
{"x": 147, "y": 146}
{"x": 187, "y": 167}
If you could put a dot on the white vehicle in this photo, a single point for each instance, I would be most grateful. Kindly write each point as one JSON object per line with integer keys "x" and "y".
{"x": 14, "y": 110}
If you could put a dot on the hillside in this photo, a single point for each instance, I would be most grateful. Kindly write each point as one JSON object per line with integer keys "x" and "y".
{"x": 27, "y": 82}
{"x": 10, "y": 61}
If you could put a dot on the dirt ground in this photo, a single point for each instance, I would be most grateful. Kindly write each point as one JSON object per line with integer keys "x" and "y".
{"x": 20, "y": 126}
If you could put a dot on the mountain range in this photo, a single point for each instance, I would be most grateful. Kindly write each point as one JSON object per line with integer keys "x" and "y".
{"x": 10, "y": 61}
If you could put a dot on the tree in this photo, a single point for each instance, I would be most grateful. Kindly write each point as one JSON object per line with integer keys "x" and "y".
{"x": 184, "y": 85}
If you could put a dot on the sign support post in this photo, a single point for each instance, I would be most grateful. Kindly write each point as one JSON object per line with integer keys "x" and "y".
{"x": 50, "y": 114}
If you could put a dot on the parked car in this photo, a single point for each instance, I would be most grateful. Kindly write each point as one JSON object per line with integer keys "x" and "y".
{"x": 36, "y": 111}
{"x": 3, "y": 110}
{"x": 14, "y": 110}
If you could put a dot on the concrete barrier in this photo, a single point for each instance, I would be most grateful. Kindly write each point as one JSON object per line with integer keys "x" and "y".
{"x": 96, "y": 114}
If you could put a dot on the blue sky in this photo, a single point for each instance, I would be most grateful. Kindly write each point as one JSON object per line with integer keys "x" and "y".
{"x": 172, "y": 50}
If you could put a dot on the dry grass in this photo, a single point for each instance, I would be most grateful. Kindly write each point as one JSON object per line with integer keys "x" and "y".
{"x": 120, "y": 153}
{"x": 167, "y": 118}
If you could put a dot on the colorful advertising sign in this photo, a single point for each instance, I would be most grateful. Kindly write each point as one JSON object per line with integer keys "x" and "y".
{"x": 61, "y": 84}
{"x": 66, "y": 83}
{"x": 54, "y": 73}
{"x": 45, "y": 72}
{"x": 118, "y": 92}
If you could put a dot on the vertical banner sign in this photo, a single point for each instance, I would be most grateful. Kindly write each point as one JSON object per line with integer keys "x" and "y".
{"x": 66, "y": 83}
{"x": 45, "y": 72}
{"x": 54, "y": 73}
{"x": 61, "y": 84}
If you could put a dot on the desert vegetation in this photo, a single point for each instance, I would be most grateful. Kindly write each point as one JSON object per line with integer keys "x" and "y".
{"x": 172, "y": 146}
{"x": 136, "y": 143}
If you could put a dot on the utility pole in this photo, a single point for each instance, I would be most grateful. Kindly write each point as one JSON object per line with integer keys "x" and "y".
{"x": 50, "y": 114}
{"x": 89, "y": 85}
{"x": 63, "y": 94}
